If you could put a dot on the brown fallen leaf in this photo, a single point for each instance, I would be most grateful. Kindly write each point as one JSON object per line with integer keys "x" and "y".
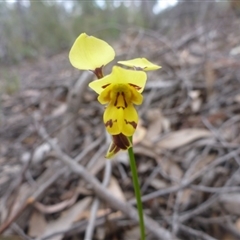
{"x": 139, "y": 134}
{"x": 56, "y": 207}
{"x": 66, "y": 219}
{"x": 115, "y": 189}
{"x": 154, "y": 117}
{"x": 171, "y": 168}
{"x": 231, "y": 202}
{"x": 182, "y": 137}
{"x": 37, "y": 224}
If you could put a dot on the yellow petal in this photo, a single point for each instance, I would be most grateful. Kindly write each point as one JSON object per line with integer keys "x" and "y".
{"x": 136, "y": 97}
{"x": 111, "y": 120}
{"x": 140, "y": 63}
{"x": 135, "y": 78}
{"x": 99, "y": 85}
{"x": 89, "y": 53}
{"x": 121, "y": 76}
{"x": 130, "y": 121}
{"x": 104, "y": 96}
{"x": 120, "y": 120}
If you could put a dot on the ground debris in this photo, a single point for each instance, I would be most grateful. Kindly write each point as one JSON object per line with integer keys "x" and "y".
{"x": 187, "y": 145}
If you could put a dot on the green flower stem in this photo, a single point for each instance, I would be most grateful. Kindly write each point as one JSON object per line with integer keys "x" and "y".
{"x": 137, "y": 190}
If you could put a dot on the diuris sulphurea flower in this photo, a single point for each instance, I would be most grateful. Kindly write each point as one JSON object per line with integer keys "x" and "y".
{"x": 119, "y": 91}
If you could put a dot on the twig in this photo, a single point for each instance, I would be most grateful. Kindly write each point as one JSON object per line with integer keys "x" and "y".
{"x": 89, "y": 148}
{"x": 196, "y": 233}
{"x": 104, "y": 194}
{"x": 175, "y": 221}
{"x": 201, "y": 172}
{"x": 215, "y": 189}
{"x": 20, "y": 232}
{"x": 204, "y": 206}
{"x": 95, "y": 205}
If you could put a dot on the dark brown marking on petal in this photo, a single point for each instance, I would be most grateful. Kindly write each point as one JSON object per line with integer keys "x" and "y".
{"x": 98, "y": 72}
{"x": 109, "y": 123}
{"x": 121, "y": 107}
{"x": 125, "y": 102}
{"x": 121, "y": 141}
{"x": 116, "y": 101}
{"x": 104, "y": 86}
{"x": 134, "y": 124}
{"x": 135, "y": 86}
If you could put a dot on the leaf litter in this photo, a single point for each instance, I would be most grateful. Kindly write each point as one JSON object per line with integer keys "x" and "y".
{"x": 177, "y": 151}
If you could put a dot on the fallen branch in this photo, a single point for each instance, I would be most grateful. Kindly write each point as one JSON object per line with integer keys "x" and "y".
{"x": 103, "y": 193}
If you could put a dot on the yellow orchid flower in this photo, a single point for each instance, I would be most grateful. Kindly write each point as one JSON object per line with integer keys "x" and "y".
{"x": 140, "y": 64}
{"x": 90, "y": 53}
{"x": 120, "y": 90}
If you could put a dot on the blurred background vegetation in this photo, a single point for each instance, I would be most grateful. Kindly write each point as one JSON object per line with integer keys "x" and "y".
{"x": 29, "y": 29}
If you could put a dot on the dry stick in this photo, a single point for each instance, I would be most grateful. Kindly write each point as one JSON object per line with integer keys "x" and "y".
{"x": 67, "y": 134}
{"x": 175, "y": 222}
{"x": 189, "y": 214}
{"x": 30, "y": 200}
{"x": 218, "y": 136}
{"x": 95, "y": 205}
{"x": 40, "y": 190}
{"x": 20, "y": 232}
{"x": 215, "y": 189}
{"x": 204, "y": 170}
{"x": 78, "y": 227}
{"x": 196, "y": 233}
{"x": 106, "y": 195}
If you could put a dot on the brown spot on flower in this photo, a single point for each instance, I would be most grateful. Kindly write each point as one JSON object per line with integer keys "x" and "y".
{"x": 121, "y": 141}
{"x": 125, "y": 102}
{"x": 134, "y": 124}
{"x": 98, "y": 72}
{"x": 104, "y": 86}
{"x": 116, "y": 101}
{"x": 135, "y": 86}
{"x": 109, "y": 123}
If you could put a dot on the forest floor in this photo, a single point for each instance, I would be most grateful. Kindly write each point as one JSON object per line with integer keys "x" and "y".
{"x": 186, "y": 143}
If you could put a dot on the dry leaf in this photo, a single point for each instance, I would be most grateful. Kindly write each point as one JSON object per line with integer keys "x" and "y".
{"x": 133, "y": 233}
{"x": 37, "y": 224}
{"x": 116, "y": 190}
{"x": 139, "y": 133}
{"x": 60, "y": 110}
{"x": 145, "y": 166}
{"x": 196, "y": 100}
{"x": 171, "y": 168}
{"x": 228, "y": 236}
{"x": 56, "y": 207}
{"x": 154, "y": 117}
{"x": 231, "y": 202}
{"x": 186, "y": 198}
{"x": 210, "y": 77}
{"x": 237, "y": 224}
{"x": 182, "y": 137}
{"x": 203, "y": 162}
{"x": 158, "y": 184}
{"x": 66, "y": 219}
